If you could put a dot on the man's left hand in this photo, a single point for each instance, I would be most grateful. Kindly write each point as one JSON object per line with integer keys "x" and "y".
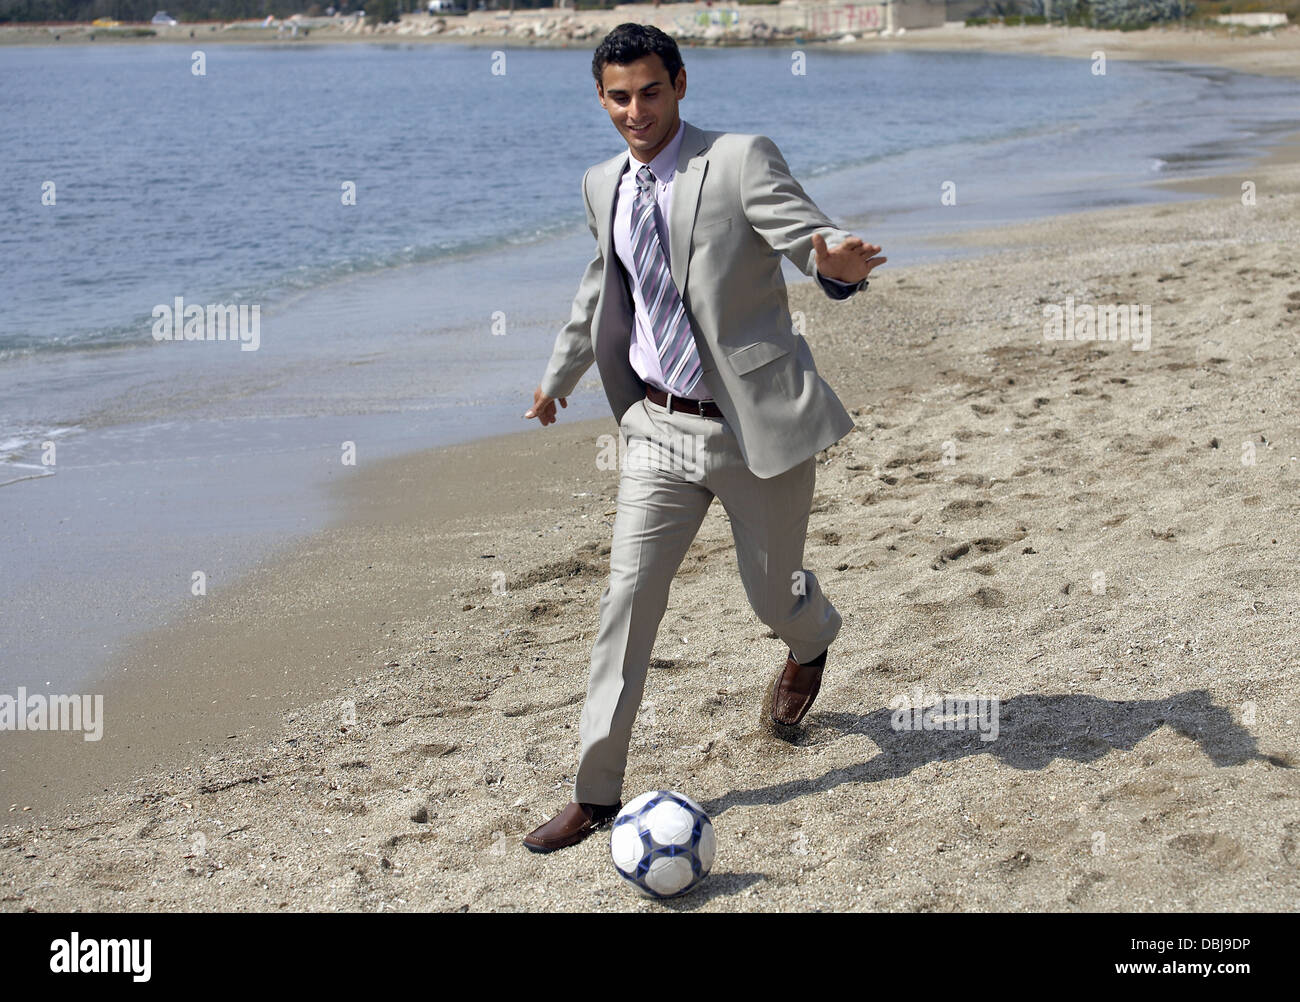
{"x": 850, "y": 261}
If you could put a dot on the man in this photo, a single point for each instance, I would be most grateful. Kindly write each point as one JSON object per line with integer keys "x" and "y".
{"x": 684, "y": 310}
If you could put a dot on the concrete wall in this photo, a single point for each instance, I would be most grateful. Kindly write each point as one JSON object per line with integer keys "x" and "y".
{"x": 699, "y": 22}
{"x": 860, "y": 18}
{"x": 1253, "y": 20}
{"x": 959, "y": 10}
{"x": 816, "y": 18}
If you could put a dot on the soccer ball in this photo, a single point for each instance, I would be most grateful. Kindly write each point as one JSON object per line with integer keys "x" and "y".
{"x": 662, "y": 843}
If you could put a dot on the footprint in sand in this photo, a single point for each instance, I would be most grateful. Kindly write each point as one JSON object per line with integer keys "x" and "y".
{"x": 984, "y": 544}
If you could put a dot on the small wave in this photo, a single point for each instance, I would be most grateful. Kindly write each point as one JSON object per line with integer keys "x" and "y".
{"x": 288, "y": 285}
{"x": 20, "y": 444}
{"x": 6, "y": 479}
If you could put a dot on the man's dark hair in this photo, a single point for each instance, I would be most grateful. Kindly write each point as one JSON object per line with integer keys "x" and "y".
{"x": 629, "y": 42}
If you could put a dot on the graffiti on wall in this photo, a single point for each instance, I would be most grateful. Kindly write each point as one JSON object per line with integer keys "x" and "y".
{"x": 686, "y": 24}
{"x": 826, "y": 20}
{"x": 820, "y": 20}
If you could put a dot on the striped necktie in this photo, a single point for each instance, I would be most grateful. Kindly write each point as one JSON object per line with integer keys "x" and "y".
{"x": 679, "y": 359}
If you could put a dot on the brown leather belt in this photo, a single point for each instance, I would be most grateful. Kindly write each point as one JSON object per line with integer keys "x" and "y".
{"x": 704, "y": 408}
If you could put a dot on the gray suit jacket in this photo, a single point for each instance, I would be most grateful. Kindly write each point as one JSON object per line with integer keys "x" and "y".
{"x": 735, "y": 210}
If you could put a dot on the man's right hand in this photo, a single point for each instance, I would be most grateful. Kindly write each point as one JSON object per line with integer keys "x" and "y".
{"x": 544, "y": 407}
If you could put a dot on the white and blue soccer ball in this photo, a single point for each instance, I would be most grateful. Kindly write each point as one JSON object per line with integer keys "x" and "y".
{"x": 662, "y": 843}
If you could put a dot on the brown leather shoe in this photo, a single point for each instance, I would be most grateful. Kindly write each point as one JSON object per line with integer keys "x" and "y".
{"x": 570, "y": 826}
{"x": 794, "y": 690}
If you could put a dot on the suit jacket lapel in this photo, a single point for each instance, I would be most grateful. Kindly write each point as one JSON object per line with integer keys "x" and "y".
{"x": 686, "y": 199}
{"x": 606, "y": 186}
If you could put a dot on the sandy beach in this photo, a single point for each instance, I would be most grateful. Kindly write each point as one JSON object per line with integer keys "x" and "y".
{"x": 1100, "y": 536}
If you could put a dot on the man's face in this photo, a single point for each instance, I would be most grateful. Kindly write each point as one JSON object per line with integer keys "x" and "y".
{"x": 642, "y": 103}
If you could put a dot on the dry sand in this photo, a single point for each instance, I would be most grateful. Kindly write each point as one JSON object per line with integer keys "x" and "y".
{"x": 1146, "y": 756}
{"x": 1270, "y": 53}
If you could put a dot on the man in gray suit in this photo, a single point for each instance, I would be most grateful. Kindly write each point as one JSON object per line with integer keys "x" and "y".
{"x": 684, "y": 311}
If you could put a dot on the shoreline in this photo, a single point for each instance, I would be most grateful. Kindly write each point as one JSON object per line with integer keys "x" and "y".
{"x": 437, "y": 659}
{"x": 1267, "y": 54}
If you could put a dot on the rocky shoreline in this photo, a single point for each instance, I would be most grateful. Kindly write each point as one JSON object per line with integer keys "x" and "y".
{"x": 572, "y": 28}
{"x": 691, "y": 24}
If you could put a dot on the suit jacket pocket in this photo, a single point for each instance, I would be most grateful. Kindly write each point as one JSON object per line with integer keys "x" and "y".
{"x": 713, "y": 225}
{"x": 750, "y": 357}
{"x": 710, "y": 232}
